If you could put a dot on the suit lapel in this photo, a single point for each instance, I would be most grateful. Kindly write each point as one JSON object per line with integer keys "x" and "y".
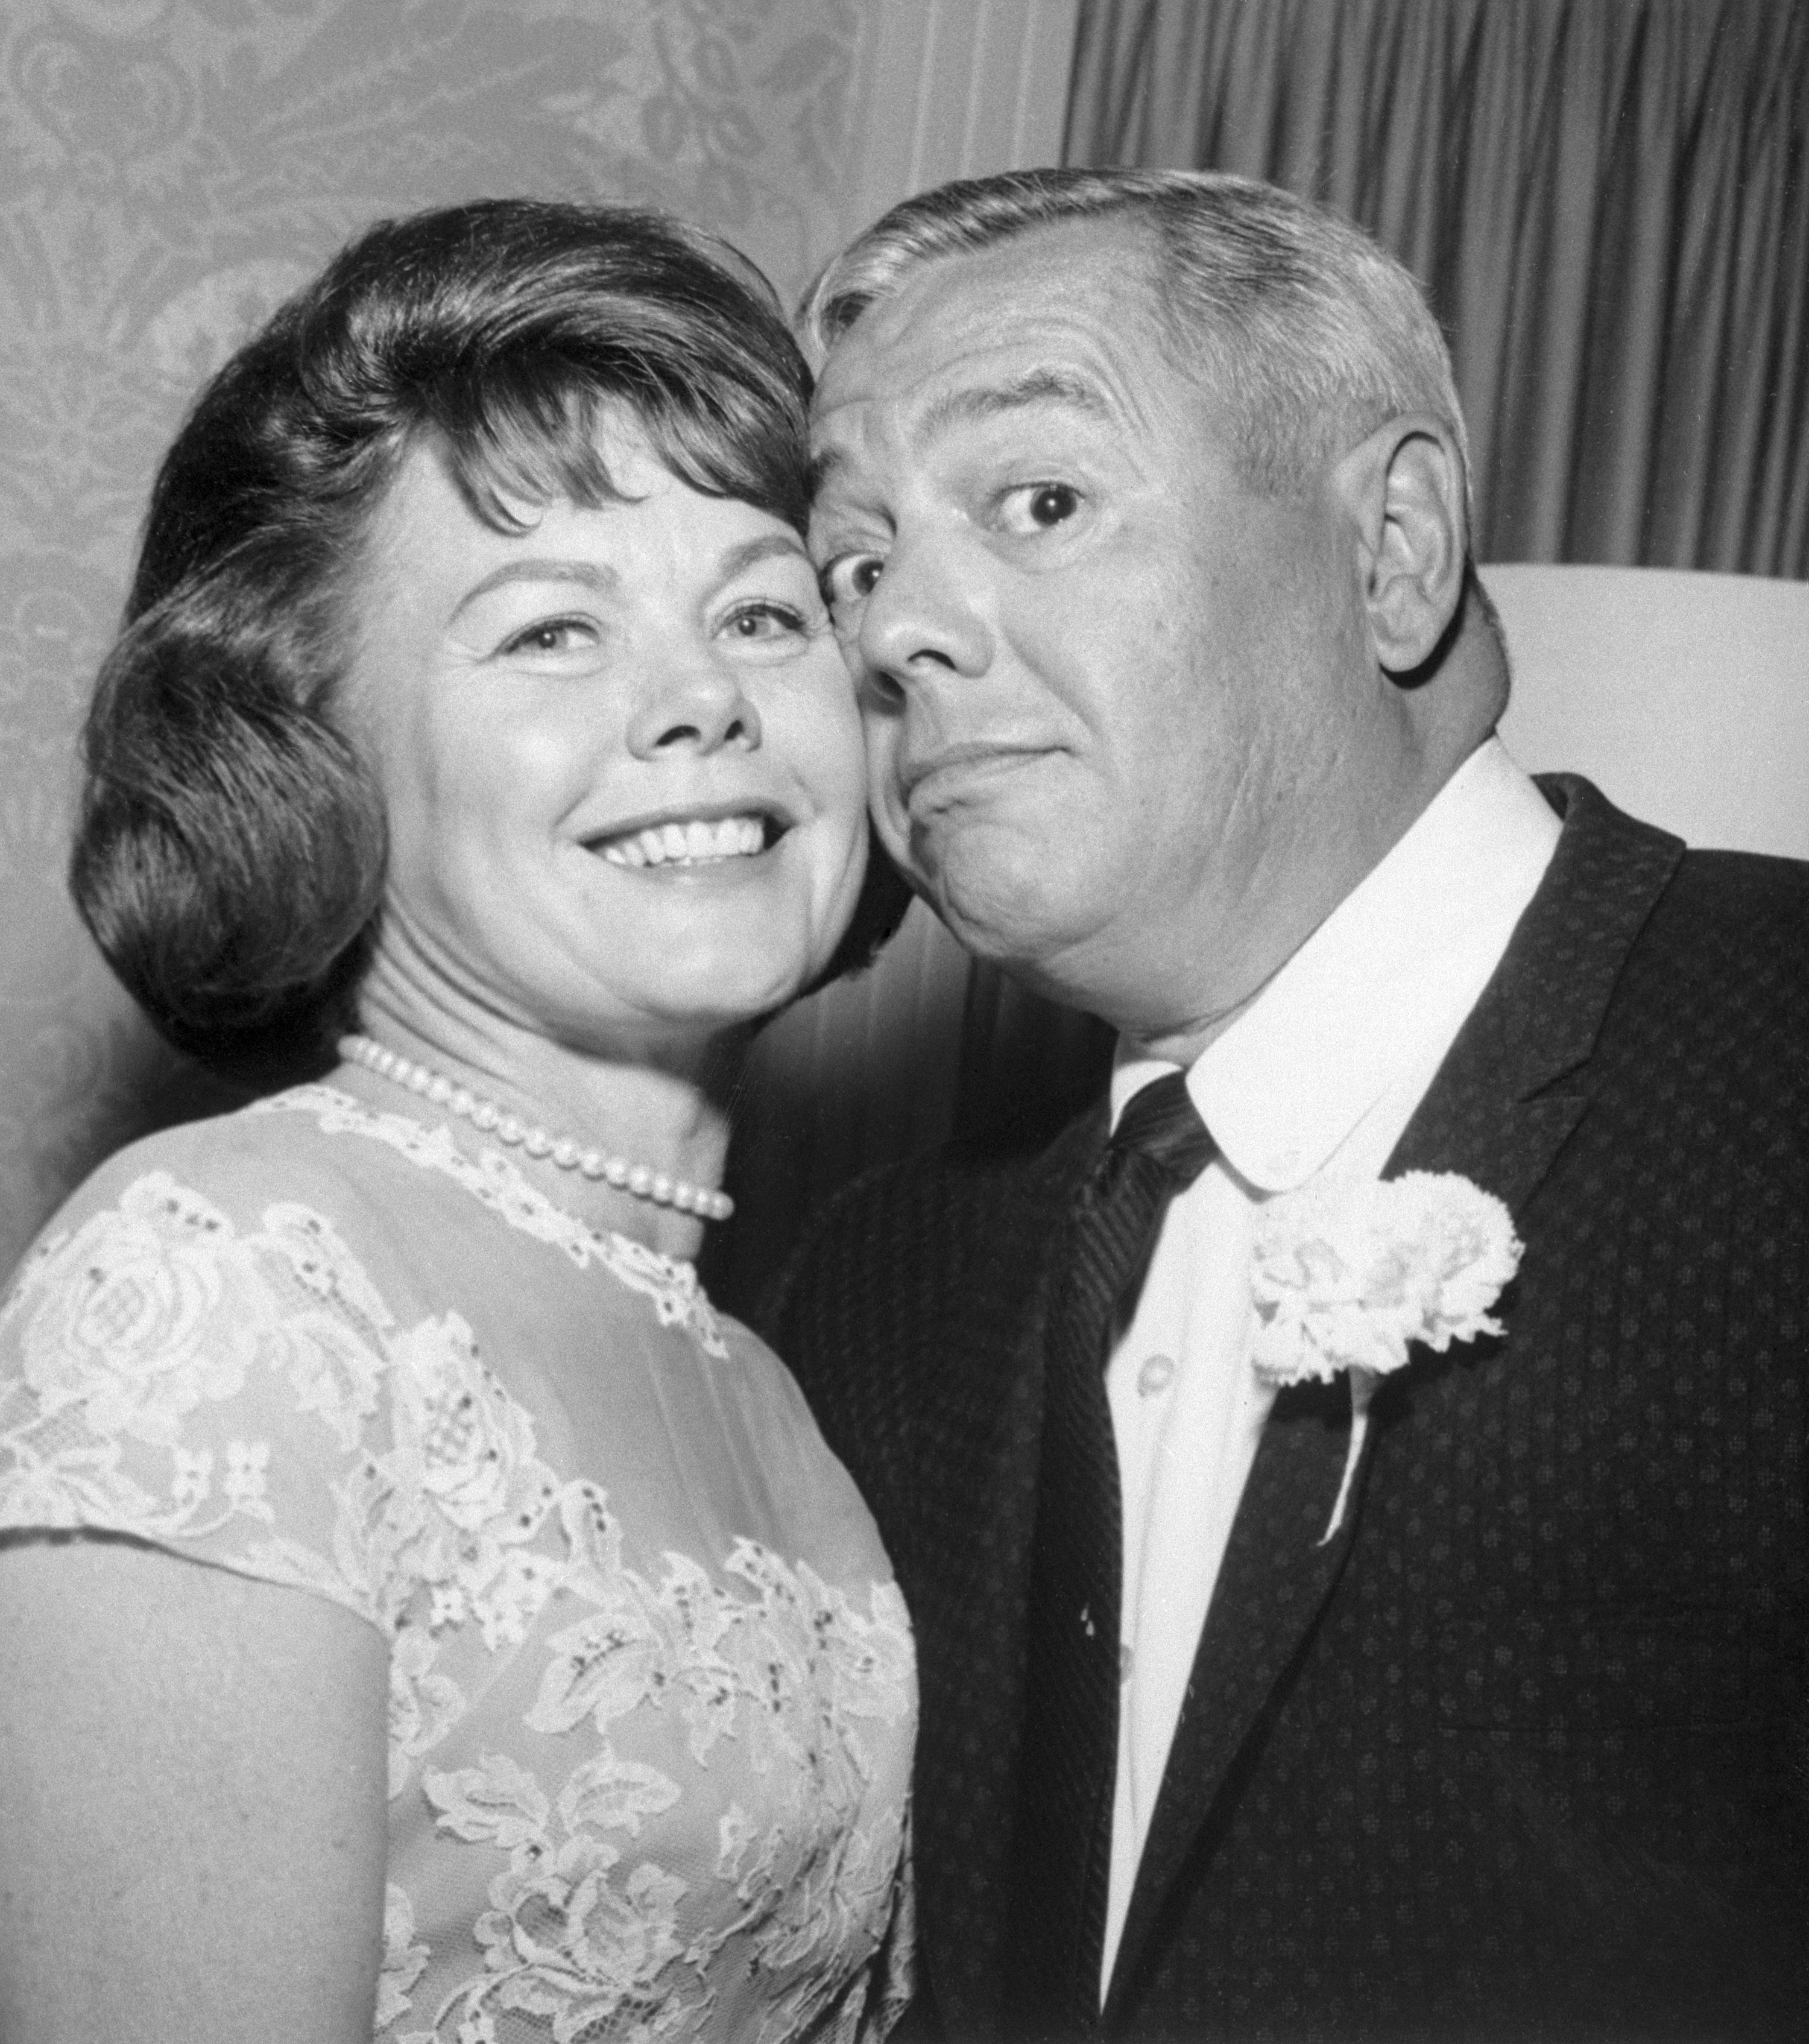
{"x": 982, "y": 1423}
{"x": 1504, "y": 1102}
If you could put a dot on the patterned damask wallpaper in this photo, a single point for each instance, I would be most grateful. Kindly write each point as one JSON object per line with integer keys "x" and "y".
{"x": 168, "y": 170}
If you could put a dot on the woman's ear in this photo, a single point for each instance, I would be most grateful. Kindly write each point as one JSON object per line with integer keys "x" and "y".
{"x": 1404, "y": 489}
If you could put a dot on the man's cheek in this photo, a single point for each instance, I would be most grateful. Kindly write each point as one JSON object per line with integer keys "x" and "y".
{"x": 881, "y": 734}
{"x": 891, "y": 819}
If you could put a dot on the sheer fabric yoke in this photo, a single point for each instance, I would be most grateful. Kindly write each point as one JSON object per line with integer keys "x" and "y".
{"x": 652, "y": 1695}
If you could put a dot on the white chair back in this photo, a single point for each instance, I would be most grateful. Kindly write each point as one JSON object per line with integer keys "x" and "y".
{"x": 1684, "y": 697}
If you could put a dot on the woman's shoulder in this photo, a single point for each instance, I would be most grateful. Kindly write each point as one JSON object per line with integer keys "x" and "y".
{"x": 238, "y": 1161}
{"x": 221, "y": 1346}
{"x": 193, "y": 1357}
{"x": 311, "y": 1155}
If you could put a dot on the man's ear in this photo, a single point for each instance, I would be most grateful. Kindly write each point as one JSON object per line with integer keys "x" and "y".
{"x": 1404, "y": 488}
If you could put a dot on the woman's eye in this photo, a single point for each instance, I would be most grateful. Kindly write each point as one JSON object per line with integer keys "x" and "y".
{"x": 1038, "y": 506}
{"x": 763, "y": 621}
{"x": 850, "y": 579}
{"x": 553, "y": 635}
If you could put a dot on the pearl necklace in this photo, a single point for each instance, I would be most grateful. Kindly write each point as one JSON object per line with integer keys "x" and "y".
{"x": 640, "y": 1180}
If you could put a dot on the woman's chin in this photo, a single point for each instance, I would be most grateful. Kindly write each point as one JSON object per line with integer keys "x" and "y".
{"x": 709, "y": 1000}
{"x": 705, "y": 949}
{"x": 727, "y": 1005}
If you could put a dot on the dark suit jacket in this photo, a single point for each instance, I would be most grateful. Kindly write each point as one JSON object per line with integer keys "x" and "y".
{"x": 1523, "y": 1752}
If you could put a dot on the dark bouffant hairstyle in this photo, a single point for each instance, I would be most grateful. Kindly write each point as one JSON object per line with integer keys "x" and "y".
{"x": 229, "y": 852}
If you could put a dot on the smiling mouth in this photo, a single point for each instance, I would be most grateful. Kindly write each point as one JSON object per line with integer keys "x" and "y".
{"x": 693, "y": 841}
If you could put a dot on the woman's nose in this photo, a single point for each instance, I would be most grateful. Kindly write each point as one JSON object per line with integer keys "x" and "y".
{"x": 699, "y": 706}
{"x": 926, "y": 617}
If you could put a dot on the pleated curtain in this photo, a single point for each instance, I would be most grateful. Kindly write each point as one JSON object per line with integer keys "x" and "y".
{"x": 1607, "y": 200}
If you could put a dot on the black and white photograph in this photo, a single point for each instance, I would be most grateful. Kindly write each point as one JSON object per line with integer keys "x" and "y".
{"x": 904, "y": 1086}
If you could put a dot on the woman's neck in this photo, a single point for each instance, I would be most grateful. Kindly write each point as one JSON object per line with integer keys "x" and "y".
{"x": 661, "y": 1106}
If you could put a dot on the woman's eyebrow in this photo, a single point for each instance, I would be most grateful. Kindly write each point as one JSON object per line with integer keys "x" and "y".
{"x": 769, "y": 546}
{"x": 589, "y": 574}
{"x": 605, "y": 580}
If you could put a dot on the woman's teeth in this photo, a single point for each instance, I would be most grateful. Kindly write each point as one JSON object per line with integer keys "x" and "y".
{"x": 688, "y": 844}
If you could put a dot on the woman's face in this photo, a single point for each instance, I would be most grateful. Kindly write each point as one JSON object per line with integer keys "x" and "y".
{"x": 619, "y": 753}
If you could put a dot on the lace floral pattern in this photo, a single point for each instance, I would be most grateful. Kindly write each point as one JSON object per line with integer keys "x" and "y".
{"x": 124, "y": 1329}
{"x": 675, "y": 1786}
{"x": 497, "y": 1184}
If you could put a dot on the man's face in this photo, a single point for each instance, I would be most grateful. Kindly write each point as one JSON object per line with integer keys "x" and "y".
{"x": 1100, "y": 678}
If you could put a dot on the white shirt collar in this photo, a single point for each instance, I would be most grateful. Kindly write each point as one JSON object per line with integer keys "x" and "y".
{"x": 1373, "y": 990}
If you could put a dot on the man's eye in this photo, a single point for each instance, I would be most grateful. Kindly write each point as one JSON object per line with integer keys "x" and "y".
{"x": 553, "y": 635}
{"x": 1037, "y": 506}
{"x": 851, "y": 579}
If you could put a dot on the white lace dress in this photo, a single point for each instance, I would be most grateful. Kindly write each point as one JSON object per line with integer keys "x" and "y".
{"x": 652, "y": 1696}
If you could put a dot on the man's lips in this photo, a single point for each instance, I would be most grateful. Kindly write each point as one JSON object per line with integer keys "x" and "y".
{"x": 936, "y": 774}
{"x": 708, "y": 833}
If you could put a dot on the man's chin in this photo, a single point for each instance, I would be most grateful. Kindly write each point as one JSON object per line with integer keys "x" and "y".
{"x": 998, "y": 893}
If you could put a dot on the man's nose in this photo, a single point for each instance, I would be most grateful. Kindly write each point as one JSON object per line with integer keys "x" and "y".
{"x": 927, "y": 618}
{"x": 700, "y": 704}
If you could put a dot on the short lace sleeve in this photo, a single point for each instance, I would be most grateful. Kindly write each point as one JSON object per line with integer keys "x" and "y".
{"x": 219, "y": 1389}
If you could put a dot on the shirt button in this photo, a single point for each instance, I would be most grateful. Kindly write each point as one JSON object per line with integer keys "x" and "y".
{"x": 1124, "y": 1660}
{"x": 1155, "y": 1375}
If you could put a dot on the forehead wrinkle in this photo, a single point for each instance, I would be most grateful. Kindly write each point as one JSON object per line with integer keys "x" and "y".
{"x": 970, "y": 405}
{"x": 883, "y": 380}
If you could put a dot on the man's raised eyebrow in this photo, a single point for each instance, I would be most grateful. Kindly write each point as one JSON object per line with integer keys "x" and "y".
{"x": 983, "y": 401}
{"x": 1035, "y": 386}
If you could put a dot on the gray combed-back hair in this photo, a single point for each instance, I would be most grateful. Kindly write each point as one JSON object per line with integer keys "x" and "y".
{"x": 1309, "y": 334}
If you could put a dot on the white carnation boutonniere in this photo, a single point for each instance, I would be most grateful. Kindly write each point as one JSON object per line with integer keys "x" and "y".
{"x": 1348, "y": 1274}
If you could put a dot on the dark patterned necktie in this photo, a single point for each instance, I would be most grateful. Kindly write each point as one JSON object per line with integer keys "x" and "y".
{"x": 1062, "y": 1846}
